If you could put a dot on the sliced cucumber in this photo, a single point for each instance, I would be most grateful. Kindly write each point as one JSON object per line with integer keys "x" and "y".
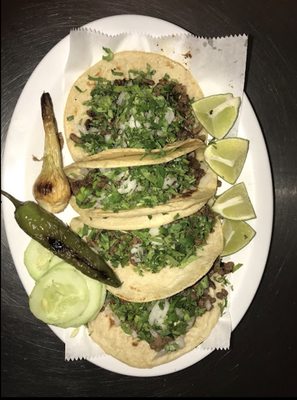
{"x": 54, "y": 261}
{"x": 97, "y": 293}
{"x": 37, "y": 259}
{"x": 60, "y": 295}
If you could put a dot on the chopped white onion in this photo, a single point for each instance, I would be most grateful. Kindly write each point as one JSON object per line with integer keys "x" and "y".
{"x": 105, "y": 170}
{"x": 179, "y": 312}
{"x": 127, "y": 186}
{"x": 107, "y": 138}
{"x": 134, "y": 334}
{"x": 121, "y": 98}
{"x": 93, "y": 130}
{"x": 154, "y": 333}
{"x": 154, "y": 231}
{"x": 131, "y": 122}
{"x": 80, "y": 128}
{"x": 168, "y": 181}
{"x": 160, "y": 353}
{"x": 191, "y": 322}
{"x": 137, "y": 252}
{"x": 169, "y": 115}
{"x": 180, "y": 341}
{"x": 137, "y": 249}
{"x": 157, "y": 315}
{"x": 208, "y": 305}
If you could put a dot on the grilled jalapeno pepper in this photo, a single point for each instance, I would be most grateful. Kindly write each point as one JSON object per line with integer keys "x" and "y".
{"x": 56, "y": 236}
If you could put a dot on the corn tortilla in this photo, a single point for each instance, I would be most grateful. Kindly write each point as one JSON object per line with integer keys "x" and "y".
{"x": 146, "y": 217}
{"x": 137, "y": 353}
{"x": 170, "y": 280}
{"x": 122, "y": 61}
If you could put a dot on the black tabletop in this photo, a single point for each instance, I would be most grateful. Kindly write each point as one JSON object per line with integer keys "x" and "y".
{"x": 262, "y": 358}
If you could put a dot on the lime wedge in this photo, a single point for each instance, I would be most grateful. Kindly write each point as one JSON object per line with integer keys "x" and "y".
{"x": 217, "y": 113}
{"x": 235, "y": 203}
{"x": 237, "y": 234}
{"x": 226, "y": 157}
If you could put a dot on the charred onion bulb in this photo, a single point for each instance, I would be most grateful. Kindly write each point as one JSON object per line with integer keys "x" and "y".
{"x": 51, "y": 189}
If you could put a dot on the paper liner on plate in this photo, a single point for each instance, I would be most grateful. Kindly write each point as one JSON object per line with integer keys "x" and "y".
{"x": 220, "y": 336}
{"x": 218, "y": 64}
{"x": 78, "y": 345}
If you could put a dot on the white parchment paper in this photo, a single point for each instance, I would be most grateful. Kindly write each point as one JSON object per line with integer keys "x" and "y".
{"x": 218, "y": 64}
{"x": 220, "y": 336}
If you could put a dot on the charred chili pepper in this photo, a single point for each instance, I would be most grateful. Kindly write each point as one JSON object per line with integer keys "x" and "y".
{"x": 52, "y": 233}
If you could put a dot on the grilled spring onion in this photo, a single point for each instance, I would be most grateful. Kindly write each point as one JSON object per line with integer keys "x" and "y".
{"x": 51, "y": 189}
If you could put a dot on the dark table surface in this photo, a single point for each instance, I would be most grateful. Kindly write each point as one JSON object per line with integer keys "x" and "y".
{"x": 262, "y": 358}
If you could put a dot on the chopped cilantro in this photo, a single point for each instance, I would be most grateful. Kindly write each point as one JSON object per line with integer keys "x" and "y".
{"x": 116, "y": 73}
{"x": 135, "y": 112}
{"x": 109, "y": 54}
{"x": 140, "y": 186}
{"x": 222, "y": 279}
{"x": 183, "y": 309}
{"x": 175, "y": 244}
{"x": 223, "y": 304}
{"x": 177, "y": 216}
{"x": 236, "y": 267}
{"x": 79, "y": 89}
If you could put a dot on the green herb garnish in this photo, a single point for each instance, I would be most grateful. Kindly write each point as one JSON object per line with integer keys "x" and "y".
{"x": 116, "y": 73}
{"x": 109, "y": 54}
{"x": 174, "y": 244}
{"x": 79, "y": 89}
{"x": 181, "y": 311}
{"x": 140, "y": 186}
{"x": 136, "y": 112}
{"x": 236, "y": 267}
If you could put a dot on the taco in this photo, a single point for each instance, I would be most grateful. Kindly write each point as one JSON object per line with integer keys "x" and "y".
{"x": 140, "y": 196}
{"x": 155, "y": 263}
{"x": 144, "y": 335}
{"x": 136, "y": 100}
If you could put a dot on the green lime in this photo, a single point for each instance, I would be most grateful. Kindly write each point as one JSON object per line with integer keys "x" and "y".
{"x": 217, "y": 113}
{"x": 226, "y": 157}
{"x": 235, "y": 203}
{"x": 237, "y": 234}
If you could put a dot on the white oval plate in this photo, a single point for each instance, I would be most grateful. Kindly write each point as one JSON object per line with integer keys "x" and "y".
{"x": 24, "y": 139}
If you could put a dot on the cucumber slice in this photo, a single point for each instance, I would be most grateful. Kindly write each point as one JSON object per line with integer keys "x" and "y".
{"x": 97, "y": 293}
{"x": 37, "y": 259}
{"x": 54, "y": 261}
{"x": 60, "y": 295}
